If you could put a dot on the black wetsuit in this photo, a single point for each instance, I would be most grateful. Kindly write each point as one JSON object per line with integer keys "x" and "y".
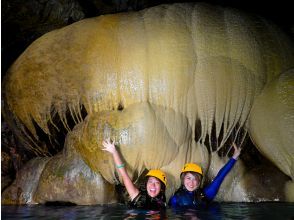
{"x": 144, "y": 201}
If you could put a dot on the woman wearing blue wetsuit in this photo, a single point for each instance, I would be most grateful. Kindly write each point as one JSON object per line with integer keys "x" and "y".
{"x": 189, "y": 195}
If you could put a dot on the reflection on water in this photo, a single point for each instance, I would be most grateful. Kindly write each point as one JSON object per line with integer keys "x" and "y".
{"x": 217, "y": 211}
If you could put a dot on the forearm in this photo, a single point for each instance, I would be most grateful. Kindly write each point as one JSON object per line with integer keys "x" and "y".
{"x": 117, "y": 159}
{"x": 120, "y": 166}
{"x": 226, "y": 169}
{"x": 211, "y": 190}
{"x": 131, "y": 188}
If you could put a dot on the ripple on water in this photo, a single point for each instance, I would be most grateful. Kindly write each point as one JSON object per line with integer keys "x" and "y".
{"x": 227, "y": 211}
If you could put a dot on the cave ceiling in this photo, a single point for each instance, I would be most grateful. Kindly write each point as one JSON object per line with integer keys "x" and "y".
{"x": 24, "y": 21}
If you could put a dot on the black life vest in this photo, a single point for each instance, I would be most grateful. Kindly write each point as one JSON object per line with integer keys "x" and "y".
{"x": 144, "y": 201}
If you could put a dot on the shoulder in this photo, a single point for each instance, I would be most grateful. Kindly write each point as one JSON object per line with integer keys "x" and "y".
{"x": 176, "y": 198}
{"x": 177, "y": 194}
{"x": 173, "y": 201}
{"x": 138, "y": 201}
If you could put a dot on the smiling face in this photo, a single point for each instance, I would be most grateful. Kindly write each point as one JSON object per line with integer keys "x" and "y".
{"x": 191, "y": 181}
{"x": 153, "y": 186}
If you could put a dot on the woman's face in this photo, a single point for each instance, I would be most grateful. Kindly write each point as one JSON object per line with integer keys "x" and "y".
{"x": 191, "y": 182}
{"x": 153, "y": 186}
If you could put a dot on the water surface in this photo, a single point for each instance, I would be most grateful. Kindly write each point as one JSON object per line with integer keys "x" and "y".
{"x": 266, "y": 211}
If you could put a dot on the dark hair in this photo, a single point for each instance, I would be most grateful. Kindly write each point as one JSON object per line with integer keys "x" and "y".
{"x": 145, "y": 201}
{"x": 162, "y": 185}
{"x": 161, "y": 194}
{"x": 196, "y": 175}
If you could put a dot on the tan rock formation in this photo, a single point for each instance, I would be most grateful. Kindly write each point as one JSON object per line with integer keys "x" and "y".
{"x": 149, "y": 79}
{"x": 272, "y": 124}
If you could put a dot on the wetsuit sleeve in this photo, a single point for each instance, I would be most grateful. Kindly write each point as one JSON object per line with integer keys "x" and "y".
{"x": 211, "y": 190}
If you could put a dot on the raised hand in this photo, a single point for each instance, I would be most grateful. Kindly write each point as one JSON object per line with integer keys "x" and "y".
{"x": 109, "y": 146}
{"x": 237, "y": 151}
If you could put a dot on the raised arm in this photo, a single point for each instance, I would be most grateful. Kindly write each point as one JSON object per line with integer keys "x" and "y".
{"x": 131, "y": 188}
{"x": 211, "y": 190}
{"x": 237, "y": 151}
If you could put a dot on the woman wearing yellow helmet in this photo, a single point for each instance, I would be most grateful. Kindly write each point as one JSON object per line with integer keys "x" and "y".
{"x": 189, "y": 195}
{"x": 153, "y": 197}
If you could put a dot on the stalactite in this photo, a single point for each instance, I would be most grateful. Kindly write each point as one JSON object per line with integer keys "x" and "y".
{"x": 153, "y": 79}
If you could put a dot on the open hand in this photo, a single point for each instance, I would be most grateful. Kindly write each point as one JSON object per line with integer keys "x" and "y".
{"x": 108, "y": 146}
{"x": 237, "y": 151}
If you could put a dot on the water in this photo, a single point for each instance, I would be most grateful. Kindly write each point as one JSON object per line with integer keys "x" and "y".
{"x": 266, "y": 211}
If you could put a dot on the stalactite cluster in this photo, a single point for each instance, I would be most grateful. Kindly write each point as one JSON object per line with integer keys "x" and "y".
{"x": 171, "y": 84}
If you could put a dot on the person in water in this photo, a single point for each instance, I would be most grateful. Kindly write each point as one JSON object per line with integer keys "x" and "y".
{"x": 189, "y": 195}
{"x": 153, "y": 197}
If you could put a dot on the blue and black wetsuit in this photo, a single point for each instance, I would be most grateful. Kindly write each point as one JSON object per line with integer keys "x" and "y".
{"x": 197, "y": 198}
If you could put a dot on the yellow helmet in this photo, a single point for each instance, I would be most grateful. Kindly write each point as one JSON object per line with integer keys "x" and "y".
{"x": 158, "y": 174}
{"x": 192, "y": 167}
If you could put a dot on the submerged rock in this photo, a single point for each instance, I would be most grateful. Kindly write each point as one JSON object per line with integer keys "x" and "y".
{"x": 61, "y": 178}
{"x": 24, "y": 186}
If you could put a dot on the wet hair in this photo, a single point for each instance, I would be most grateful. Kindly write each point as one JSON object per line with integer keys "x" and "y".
{"x": 161, "y": 195}
{"x": 145, "y": 201}
{"x": 196, "y": 175}
{"x": 162, "y": 185}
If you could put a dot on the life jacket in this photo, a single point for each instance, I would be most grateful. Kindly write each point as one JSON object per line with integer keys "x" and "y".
{"x": 144, "y": 201}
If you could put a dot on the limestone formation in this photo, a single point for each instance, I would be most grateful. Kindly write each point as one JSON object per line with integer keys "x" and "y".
{"x": 171, "y": 84}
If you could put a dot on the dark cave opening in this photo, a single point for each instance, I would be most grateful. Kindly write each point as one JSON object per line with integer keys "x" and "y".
{"x": 19, "y": 145}
{"x": 250, "y": 155}
{"x": 54, "y": 142}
